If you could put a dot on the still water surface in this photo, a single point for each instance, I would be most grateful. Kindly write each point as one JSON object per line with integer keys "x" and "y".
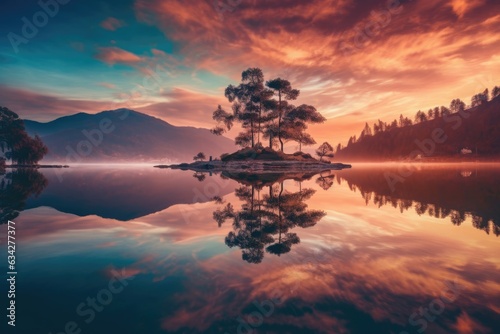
{"x": 142, "y": 250}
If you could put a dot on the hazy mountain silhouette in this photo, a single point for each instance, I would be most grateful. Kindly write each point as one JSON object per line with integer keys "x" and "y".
{"x": 123, "y": 135}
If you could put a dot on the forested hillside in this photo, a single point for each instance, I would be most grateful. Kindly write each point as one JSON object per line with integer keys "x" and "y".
{"x": 454, "y": 132}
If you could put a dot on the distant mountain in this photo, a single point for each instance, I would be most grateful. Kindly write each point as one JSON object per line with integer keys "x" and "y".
{"x": 474, "y": 130}
{"x": 124, "y": 135}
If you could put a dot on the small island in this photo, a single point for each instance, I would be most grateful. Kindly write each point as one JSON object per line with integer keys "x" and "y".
{"x": 264, "y": 110}
{"x": 260, "y": 160}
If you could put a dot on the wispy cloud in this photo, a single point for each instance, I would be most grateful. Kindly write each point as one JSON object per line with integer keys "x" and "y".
{"x": 112, "y": 23}
{"x": 115, "y": 55}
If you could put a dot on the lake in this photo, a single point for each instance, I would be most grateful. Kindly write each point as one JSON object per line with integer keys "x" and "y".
{"x": 372, "y": 249}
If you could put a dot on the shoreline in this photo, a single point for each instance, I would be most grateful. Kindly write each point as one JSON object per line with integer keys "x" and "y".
{"x": 260, "y": 166}
{"x": 36, "y": 166}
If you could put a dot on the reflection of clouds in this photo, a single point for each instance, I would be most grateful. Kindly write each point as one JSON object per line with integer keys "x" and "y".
{"x": 398, "y": 277}
{"x": 378, "y": 265}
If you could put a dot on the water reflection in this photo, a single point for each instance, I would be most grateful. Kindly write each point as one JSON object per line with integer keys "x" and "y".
{"x": 120, "y": 193}
{"x": 456, "y": 194}
{"x": 266, "y": 218}
{"x": 16, "y": 187}
{"x": 358, "y": 269}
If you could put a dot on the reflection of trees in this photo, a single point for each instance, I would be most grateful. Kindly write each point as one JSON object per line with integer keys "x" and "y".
{"x": 266, "y": 219}
{"x": 325, "y": 181}
{"x": 457, "y": 217}
{"x": 16, "y": 187}
{"x": 199, "y": 176}
{"x": 439, "y": 194}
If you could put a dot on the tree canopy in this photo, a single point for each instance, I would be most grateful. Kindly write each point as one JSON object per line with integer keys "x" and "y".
{"x": 15, "y": 143}
{"x": 264, "y": 111}
{"x": 199, "y": 157}
{"x": 325, "y": 150}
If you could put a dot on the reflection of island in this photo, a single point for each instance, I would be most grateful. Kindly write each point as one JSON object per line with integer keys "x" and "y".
{"x": 439, "y": 192}
{"x": 266, "y": 218}
{"x": 16, "y": 187}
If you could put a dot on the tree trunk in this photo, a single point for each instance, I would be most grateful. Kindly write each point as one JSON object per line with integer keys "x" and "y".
{"x": 260, "y": 118}
{"x": 279, "y": 121}
{"x": 252, "y": 131}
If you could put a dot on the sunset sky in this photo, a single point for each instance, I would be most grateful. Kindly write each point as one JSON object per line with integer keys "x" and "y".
{"x": 355, "y": 61}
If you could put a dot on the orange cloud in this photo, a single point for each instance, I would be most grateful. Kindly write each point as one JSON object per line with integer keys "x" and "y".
{"x": 183, "y": 107}
{"x": 115, "y": 55}
{"x": 45, "y": 107}
{"x": 403, "y": 61}
{"x": 461, "y": 7}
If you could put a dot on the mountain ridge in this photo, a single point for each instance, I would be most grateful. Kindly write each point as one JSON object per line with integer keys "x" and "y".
{"x": 123, "y": 135}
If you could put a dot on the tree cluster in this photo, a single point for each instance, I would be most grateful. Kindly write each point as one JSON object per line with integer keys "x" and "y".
{"x": 435, "y": 202}
{"x": 264, "y": 110}
{"x": 15, "y": 143}
{"x": 456, "y": 105}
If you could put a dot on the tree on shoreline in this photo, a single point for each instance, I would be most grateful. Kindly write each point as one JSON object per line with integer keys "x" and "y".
{"x": 283, "y": 89}
{"x": 15, "y": 142}
{"x": 199, "y": 157}
{"x": 325, "y": 150}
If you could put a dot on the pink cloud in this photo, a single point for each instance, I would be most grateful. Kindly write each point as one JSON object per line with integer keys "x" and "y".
{"x": 112, "y": 24}
{"x": 115, "y": 55}
{"x": 45, "y": 107}
{"x": 461, "y": 7}
{"x": 184, "y": 107}
{"x": 413, "y": 62}
{"x": 157, "y": 52}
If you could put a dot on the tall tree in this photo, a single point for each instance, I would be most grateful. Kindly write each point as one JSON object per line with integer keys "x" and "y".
{"x": 283, "y": 89}
{"x": 420, "y": 116}
{"x": 265, "y": 110}
{"x": 495, "y": 92}
{"x": 430, "y": 114}
{"x": 457, "y": 105}
{"x": 295, "y": 124}
{"x": 367, "y": 131}
{"x": 437, "y": 113}
{"x": 480, "y": 99}
{"x": 444, "y": 111}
